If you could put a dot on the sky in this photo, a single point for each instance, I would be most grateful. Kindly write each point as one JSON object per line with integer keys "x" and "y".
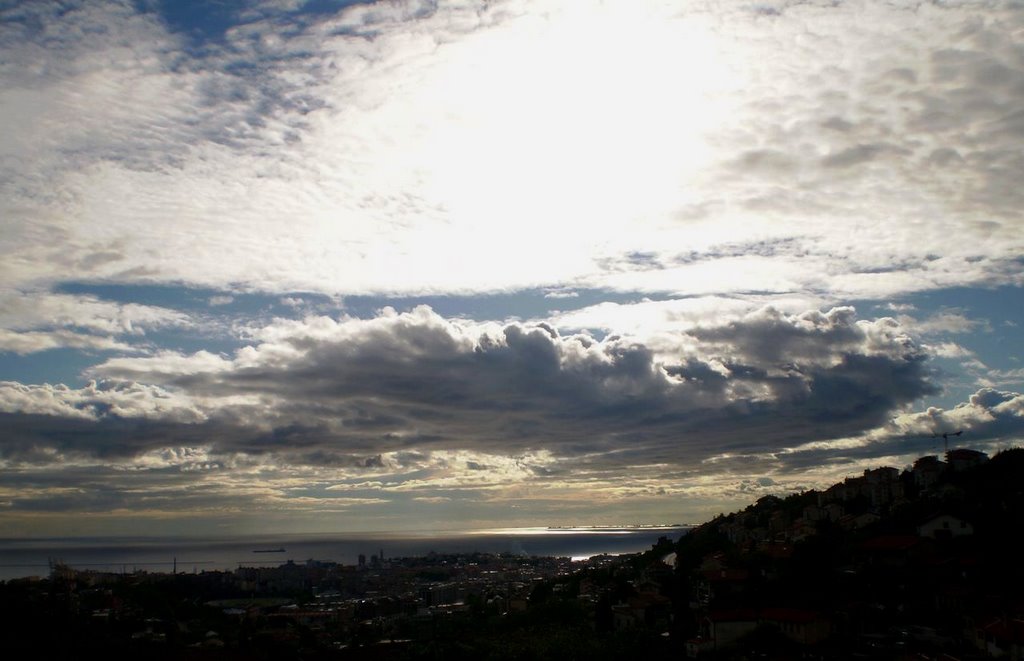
{"x": 326, "y": 266}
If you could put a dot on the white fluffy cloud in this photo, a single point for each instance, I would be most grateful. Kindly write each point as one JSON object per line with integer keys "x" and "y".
{"x": 94, "y": 402}
{"x": 33, "y": 310}
{"x": 37, "y": 321}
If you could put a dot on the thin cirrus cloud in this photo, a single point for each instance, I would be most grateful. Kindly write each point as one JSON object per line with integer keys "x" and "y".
{"x": 362, "y": 151}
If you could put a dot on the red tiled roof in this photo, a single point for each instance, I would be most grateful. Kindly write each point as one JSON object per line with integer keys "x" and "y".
{"x": 1006, "y": 631}
{"x": 776, "y": 550}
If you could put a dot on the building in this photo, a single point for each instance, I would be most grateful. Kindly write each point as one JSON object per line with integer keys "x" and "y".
{"x": 802, "y": 626}
{"x": 963, "y": 458}
{"x": 880, "y": 486}
{"x": 726, "y": 627}
{"x": 945, "y": 526}
{"x": 927, "y": 471}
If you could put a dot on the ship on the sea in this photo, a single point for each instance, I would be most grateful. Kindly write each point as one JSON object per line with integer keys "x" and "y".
{"x": 268, "y": 551}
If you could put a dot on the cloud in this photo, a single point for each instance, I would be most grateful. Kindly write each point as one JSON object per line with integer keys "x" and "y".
{"x": 855, "y": 155}
{"x": 311, "y": 157}
{"x": 37, "y": 321}
{"x": 946, "y": 321}
{"x": 989, "y": 414}
{"x": 763, "y": 166}
{"x": 96, "y": 401}
{"x": 950, "y": 350}
{"x": 33, "y": 341}
{"x": 1003, "y": 378}
{"x": 990, "y": 420}
{"x": 414, "y": 406}
{"x": 417, "y": 381}
{"x": 556, "y": 293}
{"x": 874, "y": 120}
{"x": 21, "y": 310}
{"x": 647, "y": 318}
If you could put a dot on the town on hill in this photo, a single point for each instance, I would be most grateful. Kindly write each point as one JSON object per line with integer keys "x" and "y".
{"x": 922, "y": 563}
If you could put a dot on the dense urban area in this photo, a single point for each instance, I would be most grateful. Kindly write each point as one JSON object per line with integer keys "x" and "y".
{"x": 918, "y": 564}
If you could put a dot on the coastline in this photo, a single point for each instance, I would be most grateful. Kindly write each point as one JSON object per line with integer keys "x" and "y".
{"x": 20, "y": 558}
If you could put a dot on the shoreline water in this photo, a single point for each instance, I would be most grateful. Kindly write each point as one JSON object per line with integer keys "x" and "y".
{"x": 26, "y": 557}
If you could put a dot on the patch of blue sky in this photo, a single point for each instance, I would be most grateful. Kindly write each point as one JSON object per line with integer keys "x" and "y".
{"x": 518, "y": 305}
{"x": 187, "y": 341}
{"x": 69, "y": 365}
{"x": 207, "y": 21}
{"x": 53, "y": 366}
{"x": 523, "y": 305}
{"x": 994, "y": 338}
{"x": 200, "y": 20}
{"x": 191, "y": 300}
{"x": 1000, "y": 313}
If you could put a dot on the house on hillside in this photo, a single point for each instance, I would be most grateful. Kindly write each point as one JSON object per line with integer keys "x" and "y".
{"x": 695, "y": 647}
{"x": 739, "y": 532}
{"x": 645, "y": 610}
{"x": 806, "y": 627}
{"x": 723, "y": 629}
{"x": 881, "y": 486}
{"x": 945, "y": 526}
{"x": 723, "y": 583}
{"x": 826, "y": 512}
{"x": 893, "y": 551}
{"x": 964, "y": 458}
{"x": 726, "y": 627}
{"x": 1002, "y": 637}
{"x": 858, "y": 521}
{"x": 778, "y": 521}
{"x": 713, "y": 562}
{"x": 800, "y": 529}
{"x": 927, "y": 471}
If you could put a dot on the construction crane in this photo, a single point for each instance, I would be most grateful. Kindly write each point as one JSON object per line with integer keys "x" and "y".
{"x": 945, "y": 438}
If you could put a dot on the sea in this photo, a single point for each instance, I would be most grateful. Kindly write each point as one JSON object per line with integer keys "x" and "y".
{"x": 23, "y": 557}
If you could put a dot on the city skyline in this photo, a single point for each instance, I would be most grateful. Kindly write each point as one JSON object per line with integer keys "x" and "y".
{"x": 332, "y": 266}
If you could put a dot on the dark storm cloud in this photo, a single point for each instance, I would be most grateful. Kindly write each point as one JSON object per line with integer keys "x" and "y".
{"x": 322, "y": 392}
{"x": 32, "y": 438}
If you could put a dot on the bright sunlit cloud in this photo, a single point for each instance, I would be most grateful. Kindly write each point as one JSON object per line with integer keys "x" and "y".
{"x": 578, "y": 121}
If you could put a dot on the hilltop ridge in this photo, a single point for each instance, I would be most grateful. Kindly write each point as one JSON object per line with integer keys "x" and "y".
{"x": 923, "y": 560}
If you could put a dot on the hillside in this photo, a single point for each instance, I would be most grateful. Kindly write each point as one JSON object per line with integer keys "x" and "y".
{"x": 912, "y": 564}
